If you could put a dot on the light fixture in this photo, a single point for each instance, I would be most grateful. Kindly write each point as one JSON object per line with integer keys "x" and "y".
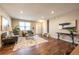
{"x": 52, "y": 12}
{"x": 41, "y": 21}
{"x": 21, "y": 12}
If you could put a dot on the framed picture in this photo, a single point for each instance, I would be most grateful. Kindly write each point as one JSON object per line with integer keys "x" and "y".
{"x": 5, "y": 24}
{"x": 68, "y": 25}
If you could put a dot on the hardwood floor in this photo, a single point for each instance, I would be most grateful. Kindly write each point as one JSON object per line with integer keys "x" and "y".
{"x": 52, "y": 47}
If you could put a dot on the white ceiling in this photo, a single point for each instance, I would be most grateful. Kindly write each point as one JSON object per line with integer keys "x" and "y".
{"x": 33, "y": 11}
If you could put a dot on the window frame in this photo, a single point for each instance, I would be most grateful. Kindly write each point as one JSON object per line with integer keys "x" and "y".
{"x": 25, "y": 25}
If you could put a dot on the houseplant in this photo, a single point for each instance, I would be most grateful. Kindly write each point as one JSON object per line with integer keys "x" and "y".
{"x": 16, "y": 30}
{"x": 72, "y": 30}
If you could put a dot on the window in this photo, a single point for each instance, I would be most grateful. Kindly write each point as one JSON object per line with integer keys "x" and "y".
{"x": 25, "y": 25}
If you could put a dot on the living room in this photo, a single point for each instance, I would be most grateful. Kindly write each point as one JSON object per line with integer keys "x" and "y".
{"x": 46, "y": 22}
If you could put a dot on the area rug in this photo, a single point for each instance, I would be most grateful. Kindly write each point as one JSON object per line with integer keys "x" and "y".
{"x": 28, "y": 42}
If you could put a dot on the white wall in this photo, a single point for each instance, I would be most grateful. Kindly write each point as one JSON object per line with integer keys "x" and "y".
{"x": 54, "y": 25}
{"x": 68, "y": 17}
{"x": 4, "y": 14}
{"x": 41, "y": 27}
{"x": 44, "y": 26}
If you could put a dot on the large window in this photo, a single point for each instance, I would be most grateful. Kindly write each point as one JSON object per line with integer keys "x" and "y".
{"x": 25, "y": 25}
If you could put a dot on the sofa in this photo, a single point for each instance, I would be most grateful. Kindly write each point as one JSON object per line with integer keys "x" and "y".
{"x": 8, "y": 40}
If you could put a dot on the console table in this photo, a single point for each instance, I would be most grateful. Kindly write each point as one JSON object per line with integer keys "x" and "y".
{"x": 71, "y": 35}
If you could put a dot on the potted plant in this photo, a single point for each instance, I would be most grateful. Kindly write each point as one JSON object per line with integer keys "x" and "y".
{"x": 16, "y": 30}
{"x": 72, "y": 30}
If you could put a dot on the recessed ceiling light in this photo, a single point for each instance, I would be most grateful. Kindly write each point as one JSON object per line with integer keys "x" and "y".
{"x": 21, "y": 12}
{"x": 52, "y": 12}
